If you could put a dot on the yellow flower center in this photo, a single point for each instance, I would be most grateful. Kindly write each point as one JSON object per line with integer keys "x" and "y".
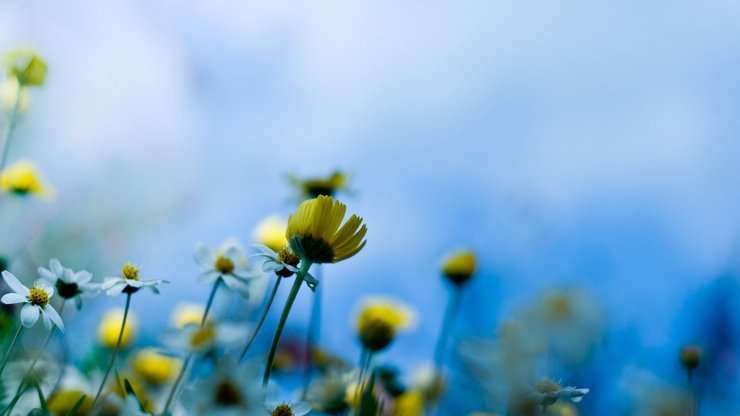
{"x": 223, "y": 265}
{"x": 203, "y": 336}
{"x": 547, "y": 386}
{"x": 38, "y": 297}
{"x": 227, "y": 394}
{"x": 130, "y": 272}
{"x": 559, "y": 305}
{"x": 282, "y": 410}
{"x": 287, "y": 256}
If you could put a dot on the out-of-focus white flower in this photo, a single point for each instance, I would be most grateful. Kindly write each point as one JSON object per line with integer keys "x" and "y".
{"x": 327, "y": 394}
{"x": 550, "y": 392}
{"x": 199, "y": 339}
{"x": 283, "y": 263}
{"x": 652, "y": 396}
{"x": 36, "y": 300}
{"x": 69, "y": 284}
{"x": 227, "y": 264}
{"x": 429, "y": 380}
{"x": 231, "y": 390}
{"x": 283, "y": 408}
{"x": 129, "y": 282}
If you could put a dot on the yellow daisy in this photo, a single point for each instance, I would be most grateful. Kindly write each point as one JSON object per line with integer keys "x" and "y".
{"x": 314, "y": 234}
{"x": 22, "y": 178}
{"x": 379, "y": 321}
{"x": 154, "y": 367}
{"x": 326, "y": 186}
{"x": 271, "y": 232}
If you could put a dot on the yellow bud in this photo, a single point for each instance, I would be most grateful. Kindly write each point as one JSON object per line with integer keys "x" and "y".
{"x": 459, "y": 266}
{"x": 26, "y": 66}
{"x": 271, "y": 232}
{"x": 110, "y": 327}
{"x": 22, "y": 178}
{"x": 690, "y": 356}
{"x": 380, "y": 319}
{"x": 153, "y": 367}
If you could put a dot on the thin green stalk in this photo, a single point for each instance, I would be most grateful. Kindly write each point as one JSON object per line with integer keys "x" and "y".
{"x": 284, "y": 317}
{"x": 262, "y": 318}
{"x": 189, "y": 358}
{"x": 366, "y": 357}
{"x": 10, "y": 127}
{"x": 453, "y": 305}
{"x": 115, "y": 352}
{"x": 10, "y": 349}
{"x": 312, "y": 336}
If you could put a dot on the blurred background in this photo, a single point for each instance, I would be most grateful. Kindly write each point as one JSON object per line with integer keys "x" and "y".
{"x": 568, "y": 143}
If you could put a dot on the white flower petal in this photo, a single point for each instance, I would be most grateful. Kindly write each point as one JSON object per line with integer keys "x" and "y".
{"x": 48, "y": 289}
{"x": 209, "y": 276}
{"x": 12, "y": 298}
{"x": 204, "y": 255}
{"x": 46, "y": 320}
{"x": 300, "y": 408}
{"x": 232, "y": 252}
{"x": 56, "y": 267}
{"x": 54, "y": 316}
{"x": 110, "y": 282}
{"x": 236, "y": 284}
{"x": 47, "y": 275}
{"x": 29, "y": 315}
{"x": 82, "y": 277}
{"x": 116, "y": 289}
{"x": 14, "y": 284}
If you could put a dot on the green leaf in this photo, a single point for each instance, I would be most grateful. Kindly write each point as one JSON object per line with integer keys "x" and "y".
{"x": 77, "y": 405}
{"x": 42, "y": 399}
{"x": 368, "y": 402}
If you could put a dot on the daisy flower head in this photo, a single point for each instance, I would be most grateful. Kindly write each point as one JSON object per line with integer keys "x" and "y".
{"x": 459, "y": 266}
{"x": 314, "y": 231}
{"x": 35, "y": 300}
{"x": 288, "y": 409}
{"x": 271, "y": 232}
{"x": 284, "y": 263}
{"x": 23, "y": 178}
{"x": 68, "y": 283}
{"x": 380, "y": 319}
{"x": 200, "y": 339}
{"x": 25, "y": 65}
{"x": 230, "y": 391}
{"x": 128, "y": 282}
{"x": 225, "y": 264}
{"x": 320, "y": 186}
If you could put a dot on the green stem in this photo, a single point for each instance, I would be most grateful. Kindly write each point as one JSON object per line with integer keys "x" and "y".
{"x": 115, "y": 352}
{"x": 12, "y": 118}
{"x": 284, "y": 317}
{"x": 189, "y": 358}
{"x": 449, "y": 317}
{"x": 262, "y": 318}
{"x": 10, "y": 349}
{"x": 366, "y": 357}
{"x": 312, "y": 336}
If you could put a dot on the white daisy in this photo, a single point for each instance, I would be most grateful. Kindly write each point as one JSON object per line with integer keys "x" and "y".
{"x": 128, "y": 282}
{"x": 283, "y": 263}
{"x": 36, "y": 301}
{"x": 288, "y": 409}
{"x": 69, "y": 284}
{"x": 230, "y": 391}
{"x": 224, "y": 264}
{"x": 199, "y": 339}
{"x": 551, "y": 391}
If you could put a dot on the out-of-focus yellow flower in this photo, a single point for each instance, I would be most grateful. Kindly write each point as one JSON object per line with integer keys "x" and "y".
{"x": 26, "y": 66}
{"x": 153, "y": 367}
{"x": 63, "y": 401}
{"x": 325, "y": 186}
{"x": 459, "y": 266}
{"x": 271, "y": 232}
{"x": 314, "y": 233}
{"x": 379, "y": 321}
{"x": 119, "y": 389}
{"x": 22, "y": 178}
{"x": 689, "y": 357}
{"x": 9, "y": 92}
{"x": 410, "y": 403}
{"x": 110, "y": 327}
{"x": 187, "y": 313}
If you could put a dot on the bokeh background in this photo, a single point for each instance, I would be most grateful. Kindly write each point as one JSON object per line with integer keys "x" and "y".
{"x": 568, "y": 143}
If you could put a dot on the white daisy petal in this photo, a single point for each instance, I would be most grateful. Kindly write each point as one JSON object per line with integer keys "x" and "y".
{"x": 47, "y": 275}
{"x": 12, "y": 298}
{"x": 116, "y": 289}
{"x": 46, "y": 320}
{"x": 204, "y": 255}
{"x": 56, "y": 267}
{"x": 49, "y": 290}
{"x": 209, "y": 276}
{"x": 236, "y": 284}
{"x": 110, "y": 282}
{"x": 29, "y": 315}
{"x": 300, "y": 408}
{"x": 14, "y": 284}
{"x": 54, "y": 316}
{"x": 82, "y": 277}
{"x": 231, "y": 252}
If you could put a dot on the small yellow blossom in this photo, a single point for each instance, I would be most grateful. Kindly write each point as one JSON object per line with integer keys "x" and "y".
{"x": 22, "y": 178}
{"x": 63, "y": 401}
{"x": 379, "y": 321}
{"x": 325, "y": 186}
{"x": 459, "y": 266}
{"x": 9, "y": 92}
{"x": 187, "y": 313}
{"x": 689, "y": 357}
{"x": 110, "y": 326}
{"x": 410, "y": 403}
{"x": 314, "y": 234}
{"x": 26, "y": 66}
{"x": 271, "y": 232}
{"x": 153, "y": 367}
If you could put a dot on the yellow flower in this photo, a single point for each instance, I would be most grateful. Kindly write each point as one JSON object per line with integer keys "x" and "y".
{"x": 22, "y": 178}
{"x": 9, "y": 92}
{"x": 410, "y": 403}
{"x": 689, "y": 357}
{"x": 110, "y": 326}
{"x": 271, "y": 232}
{"x": 314, "y": 234}
{"x": 459, "y": 266}
{"x": 153, "y": 367}
{"x": 315, "y": 187}
{"x": 379, "y": 321}
{"x": 26, "y": 66}
{"x": 63, "y": 401}
{"x": 187, "y": 313}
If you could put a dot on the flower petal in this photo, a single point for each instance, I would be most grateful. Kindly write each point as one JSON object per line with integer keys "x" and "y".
{"x": 14, "y": 284}
{"x": 47, "y": 275}
{"x": 237, "y": 284}
{"x": 56, "y": 267}
{"x": 82, "y": 277}
{"x": 204, "y": 255}
{"x": 209, "y": 276}
{"x": 49, "y": 290}
{"x": 110, "y": 282}
{"x": 12, "y": 298}
{"x": 29, "y": 315}
{"x": 54, "y": 316}
{"x": 116, "y": 289}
